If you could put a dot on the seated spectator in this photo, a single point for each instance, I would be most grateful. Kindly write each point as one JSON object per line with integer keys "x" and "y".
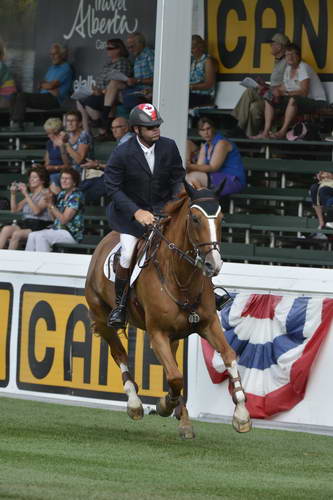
{"x": 33, "y": 208}
{"x": 53, "y": 90}
{"x": 140, "y": 87}
{"x": 55, "y": 158}
{"x": 300, "y": 92}
{"x": 218, "y": 159}
{"x": 249, "y": 111}
{"x": 74, "y": 143}
{"x": 66, "y": 213}
{"x": 102, "y": 102}
{"x": 7, "y": 84}
{"x": 93, "y": 186}
{"x": 322, "y": 197}
{"x": 202, "y": 75}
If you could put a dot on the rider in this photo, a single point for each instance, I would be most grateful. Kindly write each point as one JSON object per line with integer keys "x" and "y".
{"x": 141, "y": 176}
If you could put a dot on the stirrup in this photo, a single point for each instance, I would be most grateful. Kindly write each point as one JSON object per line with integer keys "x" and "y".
{"x": 222, "y": 300}
{"x": 117, "y": 317}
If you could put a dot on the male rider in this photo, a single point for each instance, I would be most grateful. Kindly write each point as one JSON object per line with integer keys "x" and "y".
{"x": 141, "y": 176}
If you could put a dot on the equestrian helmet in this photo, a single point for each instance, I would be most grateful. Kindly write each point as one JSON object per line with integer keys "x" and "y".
{"x": 145, "y": 115}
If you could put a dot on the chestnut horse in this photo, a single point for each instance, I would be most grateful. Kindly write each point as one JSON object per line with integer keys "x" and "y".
{"x": 172, "y": 297}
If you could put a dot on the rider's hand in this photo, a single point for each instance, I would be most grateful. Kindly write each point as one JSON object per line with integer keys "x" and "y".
{"x": 144, "y": 217}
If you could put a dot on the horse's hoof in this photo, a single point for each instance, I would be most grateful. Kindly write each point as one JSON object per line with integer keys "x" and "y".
{"x": 162, "y": 410}
{"x": 242, "y": 426}
{"x": 135, "y": 413}
{"x": 186, "y": 432}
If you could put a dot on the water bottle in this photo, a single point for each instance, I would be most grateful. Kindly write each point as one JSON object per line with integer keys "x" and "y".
{"x": 14, "y": 223}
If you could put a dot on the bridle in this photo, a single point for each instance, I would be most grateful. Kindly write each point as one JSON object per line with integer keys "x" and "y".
{"x": 213, "y": 245}
{"x": 199, "y": 256}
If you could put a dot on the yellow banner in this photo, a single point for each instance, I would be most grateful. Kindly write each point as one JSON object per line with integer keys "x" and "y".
{"x": 6, "y": 299}
{"x": 238, "y": 31}
{"x": 58, "y": 353}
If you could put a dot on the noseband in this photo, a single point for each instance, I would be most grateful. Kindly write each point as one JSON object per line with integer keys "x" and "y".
{"x": 200, "y": 256}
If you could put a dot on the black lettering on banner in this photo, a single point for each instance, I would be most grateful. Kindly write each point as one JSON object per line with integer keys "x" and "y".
{"x": 42, "y": 310}
{"x": 318, "y": 41}
{"x": 75, "y": 348}
{"x": 149, "y": 359}
{"x": 103, "y": 362}
{"x": 261, "y": 34}
{"x": 230, "y": 58}
{"x": 6, "y": 305}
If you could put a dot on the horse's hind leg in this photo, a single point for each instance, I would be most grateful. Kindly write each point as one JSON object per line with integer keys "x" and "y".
{"x": 134, "y": 405}
{"x": 214, "y": 334}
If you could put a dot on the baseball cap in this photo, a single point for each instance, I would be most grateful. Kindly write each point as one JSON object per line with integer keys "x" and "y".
{"x": 280, "y": 38}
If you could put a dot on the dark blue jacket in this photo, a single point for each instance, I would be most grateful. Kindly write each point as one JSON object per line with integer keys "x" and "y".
{"x": 131, "y": 185}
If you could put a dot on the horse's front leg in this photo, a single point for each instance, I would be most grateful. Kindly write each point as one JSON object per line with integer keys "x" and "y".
{"x": 215, "y": 336}
{"x": 160, "y": 344}
{"x": 134, "y": 405}
{"x": 185, "y": 427}
{"x": 165, "y": 353}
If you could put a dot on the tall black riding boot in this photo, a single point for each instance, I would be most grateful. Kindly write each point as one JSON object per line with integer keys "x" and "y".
{"x": 117, "y": 317}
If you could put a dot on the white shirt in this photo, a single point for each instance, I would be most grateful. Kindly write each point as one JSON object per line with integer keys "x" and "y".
{"x": 304, "y": 71}
{"x": 149, "y": 154}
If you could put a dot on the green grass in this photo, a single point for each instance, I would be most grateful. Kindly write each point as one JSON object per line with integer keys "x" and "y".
{"x": 51, "y": 451}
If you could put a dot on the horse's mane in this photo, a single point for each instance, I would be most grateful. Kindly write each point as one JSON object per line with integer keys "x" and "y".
{"x": 173, "y": 207}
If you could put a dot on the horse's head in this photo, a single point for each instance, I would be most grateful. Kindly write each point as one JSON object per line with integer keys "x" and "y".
{"x": 204, "y": 227}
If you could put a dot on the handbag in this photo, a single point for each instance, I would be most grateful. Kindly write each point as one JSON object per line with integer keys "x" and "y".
{"x": 34, "y": 224}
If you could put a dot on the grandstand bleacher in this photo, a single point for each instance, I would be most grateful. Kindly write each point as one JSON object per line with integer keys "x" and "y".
{"x": 271, "y": 221}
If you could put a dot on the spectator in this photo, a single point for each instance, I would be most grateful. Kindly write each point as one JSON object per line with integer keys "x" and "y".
{"x": 300, "y": 92}
{"x": 202, "y": 75}
{"x": 322, "y": 197}
{"x": 249, "y": 111}
{"x": 33, "y": 208}
{"x": 103, "y": 100}
{"x": 218, "y": 159}
{"x": 7, "y": 84}
{"x": 53, "y": 90}
{"x": 141, "y": 85}
{"x": 55, "y": 158}
{"x": 93, "y": 186}
{"x": 74, "y": 143}
{"x": 66, "y": 214}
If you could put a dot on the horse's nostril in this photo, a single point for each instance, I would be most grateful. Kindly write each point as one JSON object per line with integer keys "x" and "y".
{"x": 209, "y": 268}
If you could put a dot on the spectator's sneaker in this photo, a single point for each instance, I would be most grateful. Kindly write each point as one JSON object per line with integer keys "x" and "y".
{"x": 329, "y": 225}
{"x": 318, "y": 236}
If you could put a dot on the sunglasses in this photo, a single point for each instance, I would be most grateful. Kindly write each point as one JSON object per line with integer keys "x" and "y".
{"x": 111, "y": 48}
{"x": 152, "y": 127}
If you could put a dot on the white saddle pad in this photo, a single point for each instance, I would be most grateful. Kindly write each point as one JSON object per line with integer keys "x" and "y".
{"x": 108, "y": 266}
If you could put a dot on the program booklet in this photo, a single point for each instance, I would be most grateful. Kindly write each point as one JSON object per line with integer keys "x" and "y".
{"x": 249, "y": 83}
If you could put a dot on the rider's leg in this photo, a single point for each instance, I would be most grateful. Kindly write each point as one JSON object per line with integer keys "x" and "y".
{"x": 117, "y": 317}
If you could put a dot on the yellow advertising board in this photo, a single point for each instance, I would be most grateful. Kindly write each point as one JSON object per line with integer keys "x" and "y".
{"x": 57, "y": 352}
{"x": 6, "y": 301}
{"x": 238, "y": 31}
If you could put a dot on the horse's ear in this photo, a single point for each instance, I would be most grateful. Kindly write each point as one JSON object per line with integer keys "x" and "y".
{"x": 220, "y": 187}
{"x": 189, "y": 189}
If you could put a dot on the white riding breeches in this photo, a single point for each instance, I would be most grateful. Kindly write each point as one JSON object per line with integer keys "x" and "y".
{"x": 128, "y": 243}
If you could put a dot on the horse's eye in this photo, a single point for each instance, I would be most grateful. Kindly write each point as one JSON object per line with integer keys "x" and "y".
{"x": 195, "y": 219}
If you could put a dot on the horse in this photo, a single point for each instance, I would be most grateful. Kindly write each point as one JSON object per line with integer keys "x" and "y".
{"x": 172, "y": 297}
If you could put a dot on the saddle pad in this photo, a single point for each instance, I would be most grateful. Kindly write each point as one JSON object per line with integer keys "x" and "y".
{"x": 108, "y": 266}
